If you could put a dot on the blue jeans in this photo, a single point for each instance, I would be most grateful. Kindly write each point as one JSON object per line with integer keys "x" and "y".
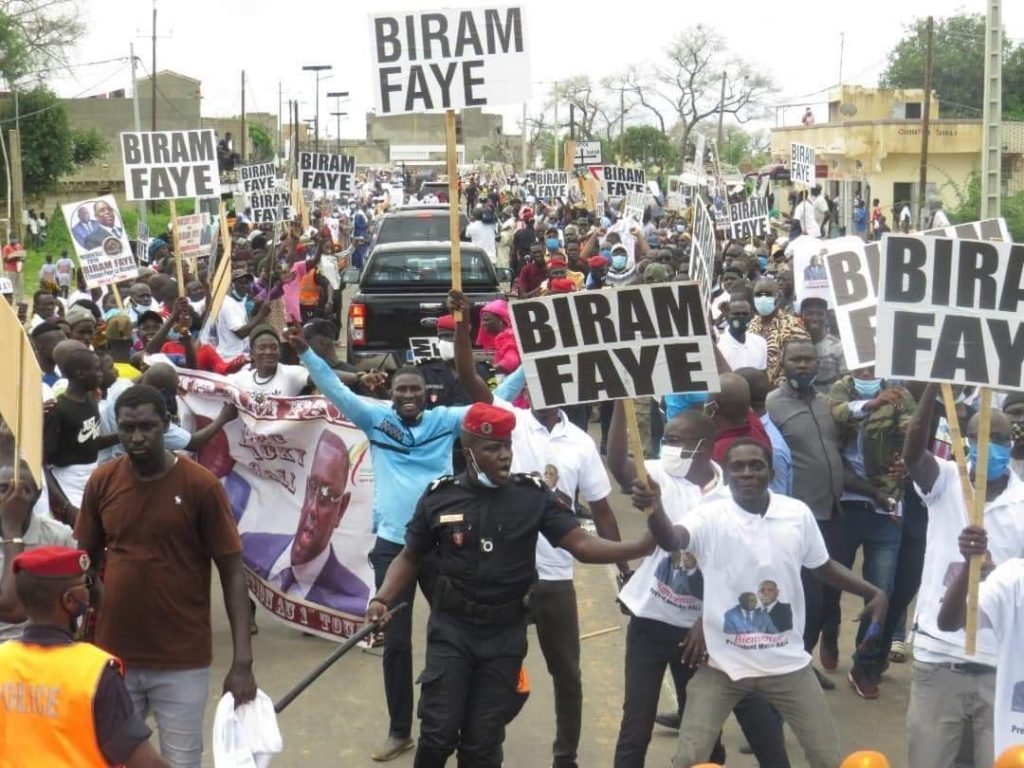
{"x": 177, "y": 699}
{"x": 879, "y": 535}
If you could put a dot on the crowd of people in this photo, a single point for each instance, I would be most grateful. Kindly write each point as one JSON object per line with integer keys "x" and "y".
{"x": 759, "y": 498}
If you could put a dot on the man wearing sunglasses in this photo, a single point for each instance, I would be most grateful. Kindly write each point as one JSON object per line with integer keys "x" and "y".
{"x": 304, "y": 565}
{"x": 948, "y": 687}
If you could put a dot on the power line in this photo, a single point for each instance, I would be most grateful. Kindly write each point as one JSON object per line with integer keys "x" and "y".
{"x": 162, "y": 96}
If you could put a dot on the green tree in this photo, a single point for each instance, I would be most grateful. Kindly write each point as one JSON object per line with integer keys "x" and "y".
{"x": 744, "y": 149}
{"x": 1011, "y": 208}
{"x": 261, "y": 147}
{"x": 49, "y": 148}
{"x": 958, "y": 66}
{"x": 648, "y": 146}
{"x": 36, "y": 36}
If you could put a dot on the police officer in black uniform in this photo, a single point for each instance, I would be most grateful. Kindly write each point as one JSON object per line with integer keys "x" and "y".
{"x": 483, "y": 527}
{"x": 443, "y": 385}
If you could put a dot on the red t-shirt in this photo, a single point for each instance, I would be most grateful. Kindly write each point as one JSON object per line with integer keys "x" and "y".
{"x": 206, "y": 358}
{"x": 726, "y": 437}
{"x": 531, "y": 276}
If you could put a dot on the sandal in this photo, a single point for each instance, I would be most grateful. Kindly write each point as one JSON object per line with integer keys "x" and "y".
{"x": 898, "y": 652}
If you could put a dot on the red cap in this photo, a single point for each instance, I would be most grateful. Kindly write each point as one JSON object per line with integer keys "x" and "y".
{"x": 489, "y": 422}
{"x": 561, "y": 285}
{"x": 446, "y": 323}
{"x": 597, "y": 262}
{"x": 526, "y": 213}
{"x": 557, "y": 261}
{"x": 52, "y": 562}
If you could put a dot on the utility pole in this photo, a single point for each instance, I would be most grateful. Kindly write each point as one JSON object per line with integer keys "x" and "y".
{"x": 338, "y": 96}
{"x": 337, "y": 139}
{"x": 244, "y": 134}
{"x": 17, "y": 190}
{"x": 152, "y": 73}
{"x": 317, "y": 69}
{"x": 277, "y": 157}
{"x": 572, "y": 122}
{"x": 522, "y": 141}
{"x": 842, "y": 48}
{"x": 992, "y": 112}
{"x": 555, "y": 92}
{"x": 926, "y": 117}
{"x": 295, "y": 133}
{"x": 143, "y": 228}
{"x": 721, "y": 114}
{"x": 622, "y": 124}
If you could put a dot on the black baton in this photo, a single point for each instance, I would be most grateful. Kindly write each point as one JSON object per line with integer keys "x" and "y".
{"x": 326, "y": 664}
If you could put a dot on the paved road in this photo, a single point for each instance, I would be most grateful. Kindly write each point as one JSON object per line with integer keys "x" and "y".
{"x": 339, "y": 719}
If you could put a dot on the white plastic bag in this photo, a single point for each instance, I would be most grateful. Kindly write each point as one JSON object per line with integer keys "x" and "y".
{"x": 247, "y": 737}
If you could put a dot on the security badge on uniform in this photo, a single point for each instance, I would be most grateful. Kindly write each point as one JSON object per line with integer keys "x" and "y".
{"x": 455, "y": 521}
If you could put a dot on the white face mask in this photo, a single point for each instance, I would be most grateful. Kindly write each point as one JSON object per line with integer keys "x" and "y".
{"x": 674, "y": 463}
{"x": 481, "y": 478}
{"x": 446, "y": 349}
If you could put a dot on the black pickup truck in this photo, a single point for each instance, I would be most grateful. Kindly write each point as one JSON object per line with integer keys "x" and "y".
{"x": 402, "y": 288}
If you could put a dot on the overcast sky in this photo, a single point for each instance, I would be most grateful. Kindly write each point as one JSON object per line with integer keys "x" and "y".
{"x": 214, "y": 40}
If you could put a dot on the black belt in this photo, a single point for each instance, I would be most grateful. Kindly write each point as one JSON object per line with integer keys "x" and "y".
{"x": 450, "y": 600}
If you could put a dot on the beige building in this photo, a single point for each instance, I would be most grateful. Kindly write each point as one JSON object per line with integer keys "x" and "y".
{"x": 871, "y": 145}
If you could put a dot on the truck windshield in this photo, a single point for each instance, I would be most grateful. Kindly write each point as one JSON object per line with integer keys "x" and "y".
{"x": 418, "y": 267}
{"x": 404, "y": 229}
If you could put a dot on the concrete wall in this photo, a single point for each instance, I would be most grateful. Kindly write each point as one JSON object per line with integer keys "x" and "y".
{"x": 478, "y": 130}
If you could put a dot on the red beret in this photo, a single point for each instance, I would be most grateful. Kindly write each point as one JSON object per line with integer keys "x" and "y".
{"x": 557, "y": 261}
{"x": 597, "y": 262}
{"x": 446, "y": 323}
{"x": 561, "y": 285}
{"x": 52, "y": 562}
{"x": 489, "y": 422}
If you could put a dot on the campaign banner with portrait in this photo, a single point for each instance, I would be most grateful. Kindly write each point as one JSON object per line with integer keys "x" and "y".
{"x": 195, "y": 235}
{"x": 300, "y": 482}
{"x": 810, "y": 278}
{"x": 101, "y": 242}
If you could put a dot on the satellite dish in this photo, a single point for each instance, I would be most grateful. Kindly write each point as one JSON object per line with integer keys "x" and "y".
{"x": 847, "y": 110}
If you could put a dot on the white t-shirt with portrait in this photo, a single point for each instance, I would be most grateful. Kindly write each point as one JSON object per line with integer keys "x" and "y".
{"x": 572, "y": 453}
{"x": 1001, "y": 608}
{"x": 738, "y": 552}
{"x": 666, "y": 588}
{"x": 287, "y": 381}
{"x": 947, "y": 517}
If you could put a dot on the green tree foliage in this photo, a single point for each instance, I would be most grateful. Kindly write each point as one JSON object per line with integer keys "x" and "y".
{"x": 49, "y": 148}
{"x": 36, "y": 36}
{"x": 747, "y": 151}
{"x": 1011, "y": 208}
{"x": 261, "y": 147}
{"x": 958, "y": 66}
{"x": 648, "y": 146}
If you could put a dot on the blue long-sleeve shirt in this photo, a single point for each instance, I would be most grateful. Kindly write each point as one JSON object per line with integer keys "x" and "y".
{"x": 406, "y": 458}
{"x": 511, "y": 385}
{"x": 782, "y": 459}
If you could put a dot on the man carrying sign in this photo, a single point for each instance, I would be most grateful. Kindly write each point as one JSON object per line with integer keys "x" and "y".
{"x": 948, "y": 687}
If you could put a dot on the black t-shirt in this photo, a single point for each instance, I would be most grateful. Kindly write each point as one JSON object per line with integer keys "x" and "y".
{"x": 485, "y": 540}
{"x": 72, "y": 431}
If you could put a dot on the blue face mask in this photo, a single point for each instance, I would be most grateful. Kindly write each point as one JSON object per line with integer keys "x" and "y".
{"x": 690, "y": 401}
{"x": 112, "y": 312}
{"x": 998, "y": 458}
{"x": 680, "y": 228}
{"x": 619, "y": 262}
{"x": 867, "y": 388}
{"x": 762, "y": 262}
{"x": 764, "y": 305}
{"x": 481, "y": 478}
{"x": 552, "y": 243}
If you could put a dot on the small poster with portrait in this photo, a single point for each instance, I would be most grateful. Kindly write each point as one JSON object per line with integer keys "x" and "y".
{"x": 101, "y": 241}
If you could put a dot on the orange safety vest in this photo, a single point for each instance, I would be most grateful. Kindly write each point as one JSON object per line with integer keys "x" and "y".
{"x": 46, "y": 698}
{"x": 309, "y": 291}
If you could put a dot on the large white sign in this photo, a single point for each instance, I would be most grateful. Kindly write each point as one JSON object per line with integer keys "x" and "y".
{"x": 951, "y": 310}
{"x": 702, "y": 248}
{"x": 168, "y": 165}
{"x": 588, "y": 153}
{"x": 748, "y": 218}
{"x": 449, "y": 59}
{"x": 640, "y": 341}
{"x": 617, "y": 181}
{"x": 852, "y": 267}
{"x": 801, "y": 164}
{"x": 331, "y": 173}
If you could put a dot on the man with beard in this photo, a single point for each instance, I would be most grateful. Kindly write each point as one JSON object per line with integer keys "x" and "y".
{"x": 305, "y": 565}
{"x": 411, "y": 447}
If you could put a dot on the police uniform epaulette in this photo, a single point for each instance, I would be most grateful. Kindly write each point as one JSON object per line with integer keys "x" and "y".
{"x": 442, "y": 481}
{"x": 528, "y": 478}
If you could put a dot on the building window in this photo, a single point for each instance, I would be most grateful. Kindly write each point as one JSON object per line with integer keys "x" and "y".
{"x": 913, "y": 110}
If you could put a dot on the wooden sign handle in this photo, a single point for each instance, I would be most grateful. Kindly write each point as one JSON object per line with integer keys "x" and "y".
{"x": 454, "y": 233}
{"x": 636, "y": 444}
{"x": 179, "y": 272}
{"x": 977, "y": 517}
{"x": 117, "y": 296}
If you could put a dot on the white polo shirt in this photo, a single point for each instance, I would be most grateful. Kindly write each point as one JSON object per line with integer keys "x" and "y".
{"x": 1001, "y": 607}
{"x": 947, "y": 517}
{"x": 738, "y": 551}
{"x": 572, "y": 453}
{"x": 287, "y": 381}
{"x": 664, "y": 589}
{"x": 752, "y": 352}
